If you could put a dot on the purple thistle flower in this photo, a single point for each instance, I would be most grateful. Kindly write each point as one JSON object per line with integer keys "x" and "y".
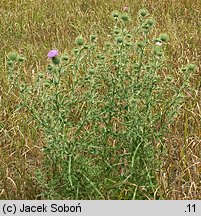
{"x": 125, "y": 8}
{"x": 52, "y": 53}
{"x": 158, "y": 43}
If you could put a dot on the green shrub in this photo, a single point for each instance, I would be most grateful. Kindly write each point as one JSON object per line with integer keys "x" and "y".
{"x": 104, "y": 112}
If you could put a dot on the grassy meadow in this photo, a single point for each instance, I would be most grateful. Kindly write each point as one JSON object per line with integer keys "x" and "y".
{"x": 34, "y": 27}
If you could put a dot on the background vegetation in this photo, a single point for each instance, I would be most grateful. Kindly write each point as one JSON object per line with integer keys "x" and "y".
{"x": 34, "y": 27}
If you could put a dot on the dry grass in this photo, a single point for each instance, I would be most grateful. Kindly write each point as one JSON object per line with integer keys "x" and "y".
{"x": 32, "y": 27}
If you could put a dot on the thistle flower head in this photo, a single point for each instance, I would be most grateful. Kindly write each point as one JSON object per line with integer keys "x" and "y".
{"x": 116, "y": 31}
{"x": 13, "y": 56}
{"x": 21, "y": 58}
{"x": 65, "y": 57}
{"x": 157, "y": 40}
{"x": 120, "y": 39}
{"x": 184, "y": 69}
{"x": 86, "y": 46}
{"x": 52, "y": 53}
{"x": 125, "y": 17}
{"x": 191, "y": 67}
{"x": 143, "y": 12}
{"x": 164, "y": 37}
{"x": 40, "y": 75}
{"x": 150, "y": 22}
{"x": 128, "y": 44}
{"x": 56, "y": 60}
{"x": 140, "y": 44}
{"x": 158, "y": 43}
{"x": 129, "y": 35}
{"x": 125, "y": 8}
{"x": 91, "y": 70}
{"x": 115, "y": 14}
{"x": 79, "y": 41}
{"x": 145, "y": 26}
{"x": 107, "y": 44}
{"x": 93, "y": 38}
{"x": 10, "y": 62}
{"x": 75, "y": 51}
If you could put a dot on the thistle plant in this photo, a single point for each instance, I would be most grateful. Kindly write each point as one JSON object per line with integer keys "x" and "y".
{"x": 103, "y": 112}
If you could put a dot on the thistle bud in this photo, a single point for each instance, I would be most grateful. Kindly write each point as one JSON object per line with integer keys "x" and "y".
{"x": 56, "y": 60}
{"x": 140, "y": 44}
{"x": 145, "y": 26}
{"x": 21, "y": 58}
{"x": 183, "y": 69}
{"x": 191, "y": 67}
{"x": 92, "y": 38}
{"x": 86, "y": 46}
{"x": 164, "y": 37}
{"x": 143, "y": 12}
{"x": 128, "y": 44}
{"x": 129, "y": 35}
{"x": 116, "y": 31}
{"x": 13, "y": 56}
{"x": 79, "y": 41}
{"x": 10, "y": 62}
{"x": 40, "y": 75}
{"x": 125, "y": 17}
{"x": 75, "y": 51}
{"x": 65, "y": 57}
{"x": 115, "y": 14}
{"x": 120, "y": 39}
{"x": 150, "y": 22}
{"x": 91, "y": 71}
